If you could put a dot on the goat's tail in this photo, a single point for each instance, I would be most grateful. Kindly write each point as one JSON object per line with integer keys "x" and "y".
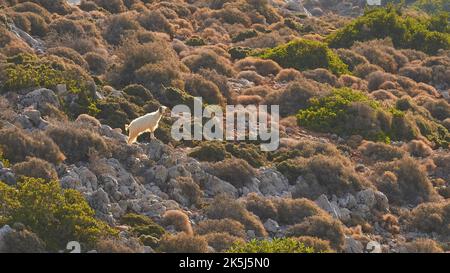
{"x": 127, "y": 126}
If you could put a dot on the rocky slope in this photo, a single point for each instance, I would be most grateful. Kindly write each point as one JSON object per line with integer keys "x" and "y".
{"x": 72, "y": 76}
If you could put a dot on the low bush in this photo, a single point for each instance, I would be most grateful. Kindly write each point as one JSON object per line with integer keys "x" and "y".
{"x": 183, "y": 243}
{"x": 226, "y": 225}
{"x": 221, "y": 241}
{"x": 304, "y": 54}
{"x": 179, "y": 220}
{"x": 113, "y": 6}
{"x": 323, "y": 227}
{"x": 224, "y": 206}
{"x": 236, "y": 171}
{"x": 295, "y": 96}
{"x": 294, "y": 211}
{"x": 87, "y": 142}
{"x": 142, "y": 225}
{"x": 208, "y": 59}
{"x": 261, "y": 206}
{"x": 405, "y": 31}
{"x": 277, "y": 245}
{"x": 408, "y": 185}
{"x": 211, "y": 151}
{"x": 97, "y": 63}
{"x": 198, "y": 86}
{"x": 431, "y": 217}
{"x": 422, "y": 245}
{"x": 35, "y": 201}
{"x": 37, "y": 168}
{"x": 380, "y": 151}
{"x": 23, "y": 241}
{"x": 18, "y": 145}
{"x": 322, "y": 175}
{"x": 319, "y": 245}
{"x": 261, "y": 66}
{"x": 349, "y": 112}
{"x": 154, "y": 20}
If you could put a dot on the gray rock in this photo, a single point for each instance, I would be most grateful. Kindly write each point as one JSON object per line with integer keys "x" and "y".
{"x": 214, "y": 186}
{"x": 160, "y": 174}
{"x": 8, "y": 177}
{"x": 348, "y": 201}
{"x": 23, "y": 121}
{"x": 272, "y": 182}
{"x": 382, "y": 201}
{"x": 39, "y": 98}
{"x": 353, "y": 246}
{"x": 330, "y": 207}
{"x": 271, "y": 226}
{"x": 5, "y": 230}
{"x": 366, "y": 197}
{"x": 251, "y": 234}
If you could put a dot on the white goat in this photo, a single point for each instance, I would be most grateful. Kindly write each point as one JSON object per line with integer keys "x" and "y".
{"x": 147, "y": 123}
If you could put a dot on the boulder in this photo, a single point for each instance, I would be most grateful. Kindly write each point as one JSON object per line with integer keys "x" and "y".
{"x": 39, "y": 99}
{"x": 5, "y": 230}
{"x": 271, "y": 226}
{"x": 272, "y": 182}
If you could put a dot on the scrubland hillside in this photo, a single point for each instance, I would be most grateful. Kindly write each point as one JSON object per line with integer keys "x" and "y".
{"x": 365, "y": 119}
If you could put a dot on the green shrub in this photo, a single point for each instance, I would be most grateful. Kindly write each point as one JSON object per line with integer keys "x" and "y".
{"x": 238, "y": 52}
{"x": 142, "y": 225}
{"x": 241, "y": 36}
{"x": 349, "y": 112}
{"x": 303, "y": 54}
{"x": 277, "y": 245}
{"x": 405, "y": 31}
{"x": 248, "y": 152}
{"x": 116, "y": 111}
{"x": 195, "y": 41}
{"x": 28, "y": 71}
{"x": 211, "y": 151}
{"x": 57, "y": 216}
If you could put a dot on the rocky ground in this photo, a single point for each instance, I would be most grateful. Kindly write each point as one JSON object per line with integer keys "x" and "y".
{"x": 331, "y": 191}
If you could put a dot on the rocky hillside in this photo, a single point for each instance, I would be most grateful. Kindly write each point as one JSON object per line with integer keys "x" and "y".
{"x": 365, "y": 118}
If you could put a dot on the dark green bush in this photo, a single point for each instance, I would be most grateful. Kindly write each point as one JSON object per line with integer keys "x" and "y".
{"x": 57, "y": 216}
{"x": 303, "y": 54}
{"x": 142, "y": 225}
{"x": 349, "y": 112}
{"x": 277, "y": 245}
{"x": 212, "y": 151}
{"x": 405, "y": 31}
{"x": 241, "y": 36}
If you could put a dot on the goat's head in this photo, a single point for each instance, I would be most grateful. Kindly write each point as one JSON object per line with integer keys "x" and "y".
{"x": 162, "y": 109}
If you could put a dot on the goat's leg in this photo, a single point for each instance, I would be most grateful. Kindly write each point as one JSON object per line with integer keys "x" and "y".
{"x": 132, "y": 137}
